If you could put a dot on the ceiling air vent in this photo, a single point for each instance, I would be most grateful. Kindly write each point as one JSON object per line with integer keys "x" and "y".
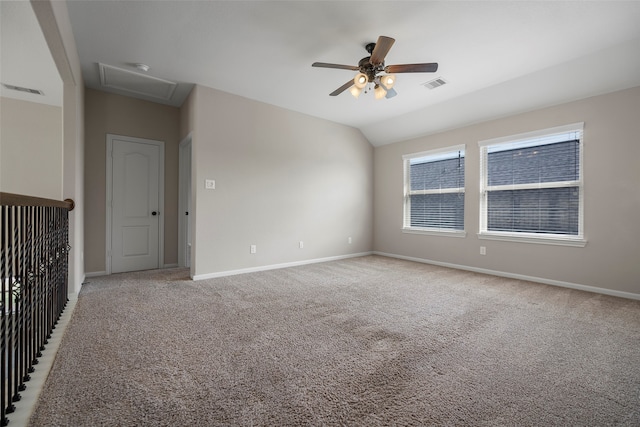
{"x": 23, "y": 89}
{"x": 141, "y": 84}
{"x": 432, "y": 84}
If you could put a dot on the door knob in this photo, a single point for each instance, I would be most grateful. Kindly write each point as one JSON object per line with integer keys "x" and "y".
{"x": 154, "y": 213}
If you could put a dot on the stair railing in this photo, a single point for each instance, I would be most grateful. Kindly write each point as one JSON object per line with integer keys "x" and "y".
{"x": 34, "y": 264}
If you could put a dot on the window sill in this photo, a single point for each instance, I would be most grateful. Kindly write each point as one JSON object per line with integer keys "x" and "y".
{"x": 533, "y": 238}
{"x": 435, "y": 232}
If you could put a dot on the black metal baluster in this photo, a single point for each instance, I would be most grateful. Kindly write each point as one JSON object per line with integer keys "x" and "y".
{"x": 22, "y": 306}
{"x": 19, "y": 297}
{"x": 37, "y": 282}
{"x": 47, "y": 283}
{"x": 16, "y": 296}
{"x": 31, "y": 272}
{"x": 42, "y": 279}
{"x": 6, "y": 293}
{"x": 53, "y": 304}
{"x": 4, "y": 274}
{"x": 51, "y": 276}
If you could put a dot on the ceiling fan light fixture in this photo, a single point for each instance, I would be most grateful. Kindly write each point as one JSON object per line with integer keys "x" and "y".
{"x": 388, "y": 81}
{"x": 355, "y": 91}
{"x": 379, "y": 92}
{"x": 360, "y": 80}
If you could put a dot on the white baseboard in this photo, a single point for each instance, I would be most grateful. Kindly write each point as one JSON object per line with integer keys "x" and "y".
{"x": 26, "y": 405}
{"x": 276, "y": 266}
{"x": 104, "y": 273}
{"x": 95, "y": 274}
{"x": 621, "y": 294}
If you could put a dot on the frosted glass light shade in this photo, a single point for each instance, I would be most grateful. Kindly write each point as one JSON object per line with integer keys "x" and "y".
{"x": 388, "y": 81}
{"x": 379, "y": 92}
{"x": 355, "y": 91}
{"x": 360, "y": 80}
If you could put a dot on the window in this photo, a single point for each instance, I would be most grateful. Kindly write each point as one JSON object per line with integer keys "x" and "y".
{"x": 531, "y": 187}
{"x": 434, "y": 191}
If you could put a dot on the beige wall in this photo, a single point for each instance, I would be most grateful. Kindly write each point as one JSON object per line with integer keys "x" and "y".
{"x": 187, "y": 116}
{"x": 31, "y": 148}
{"x": 73, "y": 112}
{"x": 107, "y": 113}
{"x": 64, "y": 53}
{"x": 611, "y": 258}
{"x": 281, "y": 177}
{"x": 42, "y": 146}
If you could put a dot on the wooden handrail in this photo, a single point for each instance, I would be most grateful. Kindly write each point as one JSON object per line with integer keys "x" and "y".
{"x": 10, "y": 199}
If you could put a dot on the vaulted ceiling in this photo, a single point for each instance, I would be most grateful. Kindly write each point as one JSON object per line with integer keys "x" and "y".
{"x": 497, "y": 57}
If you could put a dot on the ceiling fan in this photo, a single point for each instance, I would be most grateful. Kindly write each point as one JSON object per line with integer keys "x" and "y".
{"x": 372, "y": 71}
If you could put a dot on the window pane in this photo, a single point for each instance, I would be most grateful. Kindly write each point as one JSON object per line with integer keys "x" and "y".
{"x": 438, "y": 174}
{"x": 438, "y": 211}
{"x": 554, "y": 210}
{"x": 543, "y": 163}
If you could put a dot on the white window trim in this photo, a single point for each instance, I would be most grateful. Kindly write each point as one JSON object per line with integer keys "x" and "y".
{"x": 535, "y": 186}
{"x": 406, "y": 158}
{"x": 546, "y": 239}
{"x": 434, "y": 152}
{"x": 434, "y": 231}
{"x": 550, "y": 239}
{"x": 579, "y": 126}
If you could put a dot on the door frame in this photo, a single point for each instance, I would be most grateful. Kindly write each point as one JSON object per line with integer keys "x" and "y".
{"x": 109, "y": 196}
{"x": 184, "y": 178}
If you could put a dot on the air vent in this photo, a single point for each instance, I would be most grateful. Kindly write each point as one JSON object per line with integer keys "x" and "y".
{"x": 432, "y": 84}
{"x": 23, "y": 89}
{"x": 141, "y": 84}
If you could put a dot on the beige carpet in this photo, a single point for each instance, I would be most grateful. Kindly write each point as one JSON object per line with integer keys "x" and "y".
{"x": 368, "y": 341}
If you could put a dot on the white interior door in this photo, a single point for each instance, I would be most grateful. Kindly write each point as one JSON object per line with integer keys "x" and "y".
{"x": 135, "y": 204}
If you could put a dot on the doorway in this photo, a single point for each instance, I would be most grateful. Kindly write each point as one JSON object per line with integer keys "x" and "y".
{"x": 135, "y": 203}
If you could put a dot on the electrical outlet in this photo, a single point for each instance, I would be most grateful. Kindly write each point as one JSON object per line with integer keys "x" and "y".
{"x": 253, "y": 249}
{"x": 483, "y": 250}
{"x": 301, "y": 244}
{"x": 210, "y": 184}
{"x": 349, "y": 240}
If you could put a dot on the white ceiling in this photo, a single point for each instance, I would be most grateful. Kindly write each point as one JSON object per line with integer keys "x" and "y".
{"x": 498, "y": 57}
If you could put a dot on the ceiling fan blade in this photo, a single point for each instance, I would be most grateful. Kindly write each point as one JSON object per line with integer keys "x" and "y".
{"x": 391, "y": 93}
{"x": 412, "y": 68}
{"x": 380, "y": 51}
{"x": 338, "y": 66}
{"x": 342, "y": 88}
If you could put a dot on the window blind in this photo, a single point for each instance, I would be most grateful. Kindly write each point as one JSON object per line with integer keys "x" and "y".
{"x": 533, "y": 185}
{"x": 434, "y": 195}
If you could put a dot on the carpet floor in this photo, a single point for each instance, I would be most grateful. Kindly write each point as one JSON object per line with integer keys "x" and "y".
{"x": 368, "y": 341}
